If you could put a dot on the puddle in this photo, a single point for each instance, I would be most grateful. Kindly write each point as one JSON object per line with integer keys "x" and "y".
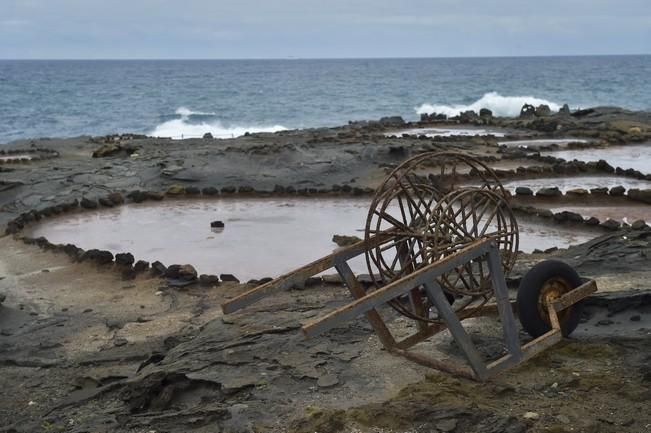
{"x": 627, "y": 214}
{"x": 635, "y": 156}
{"x": 541, "y": 142}
{"x": 261, "y": 237}
{"x": 586, "y": 182}
{"x": 448, "y": 132}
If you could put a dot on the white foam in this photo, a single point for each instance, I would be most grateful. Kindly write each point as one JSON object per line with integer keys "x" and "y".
{"x": 184, "y": 128}
{"x": 500, "y": 105}
{"x": 186, "y": 112}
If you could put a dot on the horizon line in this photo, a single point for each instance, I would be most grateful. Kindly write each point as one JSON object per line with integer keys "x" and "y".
{"x": 315, "y": 58}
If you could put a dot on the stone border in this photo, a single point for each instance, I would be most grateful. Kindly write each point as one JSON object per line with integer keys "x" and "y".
{"x": 43, "y": 154}
{"x": 126, "y": 263}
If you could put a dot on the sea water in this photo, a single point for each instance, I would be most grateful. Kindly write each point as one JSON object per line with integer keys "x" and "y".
{"x": 187, "y": 98}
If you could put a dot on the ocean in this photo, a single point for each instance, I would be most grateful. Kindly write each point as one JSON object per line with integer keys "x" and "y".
{"x": 181, "y": 98}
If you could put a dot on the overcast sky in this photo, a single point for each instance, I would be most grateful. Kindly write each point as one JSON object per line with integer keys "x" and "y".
{"x": 321, "y": 28}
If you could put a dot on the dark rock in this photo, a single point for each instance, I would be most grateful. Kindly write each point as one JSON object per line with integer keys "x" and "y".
{"x": 592, "y": 221}
{"x": 343, "y": 240}
{"x": 124, "y": 259}
{"x": 245, "y": 189}
{"x": 617, "y": 191}
{"x": 485, "y": 112}
{"x": 610, "y": 224}
{"x": 116, "y": 198}
{"x": 128, "y": 274}
{"x": 279, "y": 189}
{"x": 543, "y": 110}
{"x": 229, "y": 278}
{"x": 105, "y": 202}
{"x": 228, "y": 190}
{"x": 599, "y": 191}
{"x": 643, "y": 195}
{"x": 208, "y": 280}
{"x": 602, "y": 165}
{"x": 527, "y": 110}
{"x": 137, "y": 196}
{"x": 207, "y": 136}
{"x": 638, "y": 224}
{"x": 549, "y": 192}
{"x": 157, "y": 268}
{"x": 210, "y": 190}
{"x": 192, "y": 190}
{"x": 217, "y": 224}
{"x": 523, "y": 190}
{"x": 141, "y": 266}
{"x": 181, "y": 272}
{"x": 98, "y": 256}
{"x": 87, "y": 203}
{"x": 565, "y": 109}
{"x": 153, "y": 195}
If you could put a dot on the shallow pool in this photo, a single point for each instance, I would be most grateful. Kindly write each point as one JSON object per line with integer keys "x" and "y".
{"x": 261, "y": 237}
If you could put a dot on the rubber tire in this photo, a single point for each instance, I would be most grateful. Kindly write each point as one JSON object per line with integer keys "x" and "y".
{"x": 529, "y": 291}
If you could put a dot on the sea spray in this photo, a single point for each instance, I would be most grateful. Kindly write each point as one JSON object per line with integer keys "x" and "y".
{"x": 193, "y": 124}
{"x": 498, "y": 104}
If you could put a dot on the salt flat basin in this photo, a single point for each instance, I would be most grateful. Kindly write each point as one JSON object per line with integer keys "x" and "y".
{"x": 262, "y": 237}
{"x": 627, "y": 214}
{"x": 635, "y": 156}
{"x": 586, "y": 182}
{"x": 538, "y": 142}
{"x": 448, "y": 132}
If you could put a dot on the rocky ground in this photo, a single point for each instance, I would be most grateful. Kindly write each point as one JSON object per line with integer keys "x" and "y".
{"x": 83, "y": 349}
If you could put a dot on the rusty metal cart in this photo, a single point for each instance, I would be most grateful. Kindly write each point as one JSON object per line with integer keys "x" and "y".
{"x": 440, "y": 237}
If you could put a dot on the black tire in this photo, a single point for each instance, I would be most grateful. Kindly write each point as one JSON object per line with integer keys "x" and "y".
{"x": 529, "y": 293}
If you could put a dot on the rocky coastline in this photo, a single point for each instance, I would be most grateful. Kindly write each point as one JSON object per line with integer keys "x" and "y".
{"x": 131, "y": 343}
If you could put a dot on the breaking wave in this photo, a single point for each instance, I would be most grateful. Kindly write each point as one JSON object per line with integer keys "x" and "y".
{"x": 509, "y": 106}
{"x": 193, "y": 124}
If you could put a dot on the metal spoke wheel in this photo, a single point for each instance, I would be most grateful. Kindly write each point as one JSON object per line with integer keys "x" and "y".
{"x": 433, "y": 205}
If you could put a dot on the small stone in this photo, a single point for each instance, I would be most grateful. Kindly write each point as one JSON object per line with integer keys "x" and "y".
{"x": 577, "y": 191}
{"x": 87, "y": 203}
{"x": 599, "y": 191}
{"x": 446, "y": 425}
{"x": 617, "y": 191}
{"x": 327, "y": 381}
{"x": 120, "y": 342}
{"x": 344, "y": 241}
{"x": 124, "y": 259}
{"x": 605, "y": 322}
{"x": 636, "y": 318}
{"x": 638, "y": 224}
{"x": 208, "y": 280}
{"x": 229, "y": 278}
{"x": 210, "y": 190}
{"x": 610, "y": 224}
{"x": 563, "y": 419}
{"x": 141, "y": 266}
{"x": 116, "y": 198}
{"x": 176, "y": 190}
{"x": 549, "y": 192}
{"x": 217, "y": 224}
{"x": 592, "y": 221}
{"x": 531, "y": 416}
{"x": 157, "y": 268}
{"x": 523, "y": 190}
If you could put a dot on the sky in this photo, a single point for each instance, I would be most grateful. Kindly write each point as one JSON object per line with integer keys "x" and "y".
{"x": 216, "y": 29}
